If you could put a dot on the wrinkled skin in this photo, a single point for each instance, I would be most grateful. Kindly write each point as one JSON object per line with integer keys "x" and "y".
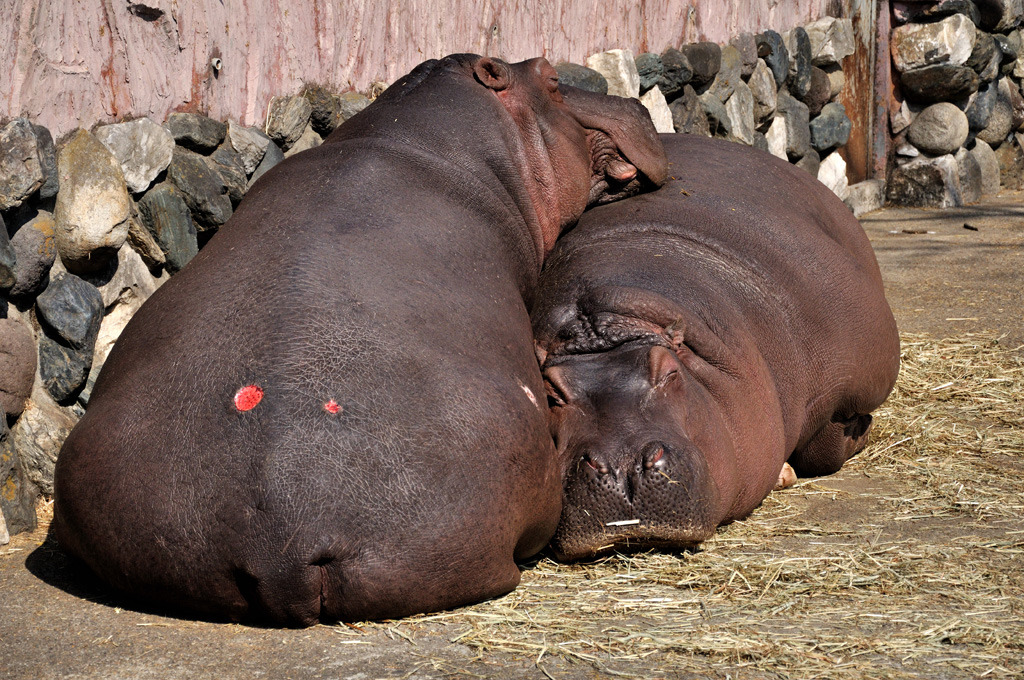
{"x": 696, "y": 338}
{"x": 373, "y": 288}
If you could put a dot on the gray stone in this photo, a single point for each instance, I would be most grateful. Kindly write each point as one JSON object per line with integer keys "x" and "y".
{"x": 1008, "y": 49}
{"x": 575, "y": 75}
{"x": 309, "y": 140}
{"x": 831, "y": 128}
{"x": 287, "y": 119}
{"x": 17, "y": 496}
{"x": 36, "y": 248}
{"x": 939, "y": 129}
{"x": 906, "y": 150}
{"x": 1000, "y": 15}
{"x": 864, "y": 197}
{"x": 832, "y": 173}
{"x": 799, "y": 46}
{"x": 272, "y": 157}
{"x": 70, "y": 310}
{"x": 325, "y": 113}
{"x": 17, "y": 365}
{"x": 619, "y": 69}
{"x": 1011, "y": 165}
{"x": 761, "y": 142}
{"x": 688, "y": 115}
{"x": 648, "y": 66}
{"x": 772, "y": 48}
{"x": 926, "y": 183}
{"x": 705, "y": 59}
{"x": 777, "y": 138}
{"x": 810, "y": 163}
{"x": 8, "y": 259}
{"x": 93, "y": 206}
{"x": 945, "y": 8}
{"x": 227, "y": 163}
{"x": 719, "y": 124}
{"x": 831, "y": 40}
{"x": 38, "y": 436}
{"x": 986, "y": 56}
{"x": 351, "y": 103}
{"x": 942, "y": 82}
{"x": 143, "y": 243}
{"x": 62, "y": 369}
{"x": 798, "y": 129}
{"x": 949, "y": 41}
{"x": 21, "y": 172}
{"x": 1009, "y": 91}
{"x": 203, "y": 189}
{"x": 250, "y": 144}
{"x": 740, "y": 110}
{"x": 675, "y": 74}
{"x": 48, "y": 162}
{"x": 656, "y": 105}
{"x": 970, "y": 176}
{"x": 729, "y": 74}
{"x": 196, "y": 132}
{"x": 1000, "y": 122}
{"x": 762, "y": 88}
{"x": 746, "y": 45}
{"x": 988, "y": 163}
{"x": 836, "y": 80}
{"x": 819, "y": 93}
{"x": 167, "y": 218}
{"x": 980, "y": 105}
{"x": 142, "y": 147}
{"x": 900, "y": 118}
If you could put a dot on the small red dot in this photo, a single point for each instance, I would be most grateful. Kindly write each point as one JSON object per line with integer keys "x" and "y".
{"x": 247, "y": 397}
{"x": 332, "y": 406}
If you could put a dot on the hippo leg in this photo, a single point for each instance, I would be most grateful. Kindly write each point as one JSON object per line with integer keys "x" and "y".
{"x": 834, "y": 444}
{"x": 787, "y": 477}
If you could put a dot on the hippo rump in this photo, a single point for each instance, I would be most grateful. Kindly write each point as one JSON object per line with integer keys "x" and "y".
{"x": 697, "y": 338}
{"x": 332, "y": 412}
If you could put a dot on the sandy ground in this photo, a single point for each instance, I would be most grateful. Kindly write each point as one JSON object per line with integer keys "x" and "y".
{"x": 946, "y": 273}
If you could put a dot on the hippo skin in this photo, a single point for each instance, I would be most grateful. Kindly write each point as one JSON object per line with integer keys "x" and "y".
{"x": 696, "y": 338}
{"x": 332, "y": 411}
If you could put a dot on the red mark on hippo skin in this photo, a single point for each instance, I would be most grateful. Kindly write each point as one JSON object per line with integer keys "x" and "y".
{"x": 247, "y": 397}
{"x": 332, "y": 407}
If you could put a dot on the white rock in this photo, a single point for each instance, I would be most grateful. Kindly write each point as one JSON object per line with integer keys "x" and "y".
{"x": 655, "y": 102}
{"x": 142, "y": 147}
{"x": 989, "y": 163}
{"x": 250, "y": 143}
{"x": 777, "y": 140}
{"x": 939, "y": 129}
{"x": 740, "y": 109}
{"x": 864, "y": 197}
{"x": 131, "y": 283}
{"x": 619, "y": 69}
{"x": 5, "y": 537}
{"x": 831, "y": 40}
{"x": 832, "y": 173}
{"x": 949, "y": 41}
{"x": 38, "y": 435}
{"x": 900, "y": 118}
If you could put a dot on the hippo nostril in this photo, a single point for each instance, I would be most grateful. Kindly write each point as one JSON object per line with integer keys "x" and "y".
{"x": 597, "y": 465}
{"x": 653, "y": 457}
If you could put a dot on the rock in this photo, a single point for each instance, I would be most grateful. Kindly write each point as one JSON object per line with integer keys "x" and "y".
{"x": 810, "y": 163}
{"x": 729, "y": 74}
{"x": 772, "y": 48}
{"x": 619, "y": 69}
{"x": 195, "y": 132}
{"x": 980, "y": 106}
{"x": 831, "y": 128}
{"x": 906, "y": 150}
{"x": 864, "y": 197}
{"x": 900, "y": 118}
{"x": 309, "y": 140}
{"x": 740, "y": 110}
{"x": 949, "y": 41}
{"x": 658, "y": 108}
{"x": 1000, "y": 121}
{"x": 93, "y": 206}
{"x": 1000, "y": 15}
{"x": 203, "y": 189}
{"x": 1008, "y": 49}
{"x": 762, "y": 88}
{"x": 287, "y": 119}
{"x": 351, "y": 103}
{"x": 38, "y": 436}
{"x": 142, "y": 147}
{"x": 705, "y": 59}
{"x": 836, "y": 80}
{"x": 798, "y": 129}
{"x": 272, "y": 157}
{"x": 777, "y": 138}
{"x": 970, "y": 176}
{"x": 249, "y": 143}
{"x": 985, "y": 57}
{"x": 166, "y": 216}
{"x": 47, "y": 161}
{"x": 648, "y": 66}
{"x": 17, "y": 365}
{"x": 719, "y": 124}
{"x": 1009, "y": 91}
{"x": 832, "y": 174}
{"x": 939, "y": 129}
{"x": 831, "y": 40}
{"x": 70, "y": 310}
{"x": 17, "y": 496}
{"x": 926, "y": 183}
{"x": 325, "y": 109}
{"x": 940, "y": 83}
{"x": 819, "y": 93}
{"x": 227, "y": 163}
{"x": 746, "y": 45}
{"x": 1011, "y": 165}
{"x": 761, "y": 142}
{"x": 581, "y": 77}
{"x": 688, "y": 115}
{"x": 143, "y": 243}
{"x": 799, "y": 46}
{"x": 36, "y": 248}
{"x": 988, "y": 163}
{"x": 8, "y": 260}
{"x": 21, "y": 172}
{"x": 945, "y": 8}
{"x": 675, "y": 74}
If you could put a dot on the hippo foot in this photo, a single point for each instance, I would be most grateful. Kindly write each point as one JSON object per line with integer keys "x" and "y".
{"x": 787, "y": 477}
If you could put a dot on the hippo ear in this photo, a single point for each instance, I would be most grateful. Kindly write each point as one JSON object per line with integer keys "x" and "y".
{"x": 559, "y": 392}
{"x": 627, "y": 123}
{"x": 663, "y": 363}
{"x": 492, "y": 73}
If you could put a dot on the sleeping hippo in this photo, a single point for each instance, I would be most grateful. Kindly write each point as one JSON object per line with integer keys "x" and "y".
{"x": 698, "y": 338}
{"x": 334, "y": 412}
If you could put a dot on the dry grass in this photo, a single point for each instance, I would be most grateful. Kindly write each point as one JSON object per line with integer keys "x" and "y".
{"x": 908, "y": 563}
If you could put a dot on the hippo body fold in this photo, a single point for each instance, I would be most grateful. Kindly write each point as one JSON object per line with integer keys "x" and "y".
{"x": 696, "y": 338}
{"x": 332, "y": 413}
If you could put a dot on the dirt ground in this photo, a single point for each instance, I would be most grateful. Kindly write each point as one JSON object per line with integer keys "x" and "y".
{"x": 906, "y": 564}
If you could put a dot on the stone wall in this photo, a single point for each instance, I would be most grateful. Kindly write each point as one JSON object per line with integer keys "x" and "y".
{"x": 959, "y": 113}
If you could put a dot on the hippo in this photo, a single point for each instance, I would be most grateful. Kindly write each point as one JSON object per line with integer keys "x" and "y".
{"x": 334, "y": 412}
{"x": 703, "y": 343}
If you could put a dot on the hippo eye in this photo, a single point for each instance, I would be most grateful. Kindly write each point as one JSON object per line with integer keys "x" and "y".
{"x": 553, "y": 84}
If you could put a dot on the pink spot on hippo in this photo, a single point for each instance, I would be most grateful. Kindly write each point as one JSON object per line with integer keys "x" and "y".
{"x": 332, "y": 407}
{"x": 247, "y": 397}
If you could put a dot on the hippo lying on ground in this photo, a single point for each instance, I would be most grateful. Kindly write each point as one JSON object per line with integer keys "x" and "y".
{"x": 696, "y": 338}
{"x": 332, "y": 412}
